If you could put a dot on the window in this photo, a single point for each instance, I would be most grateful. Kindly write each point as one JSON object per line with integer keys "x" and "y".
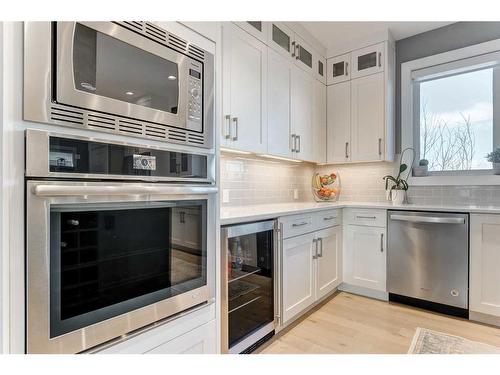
{"x": 455, "y": 131}
{"x": 450, "y": 107}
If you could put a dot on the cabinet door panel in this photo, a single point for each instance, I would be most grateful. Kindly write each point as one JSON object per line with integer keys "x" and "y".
{"x": 365, "y": 257}
{"x": 368, "y": 60}
{"x": 338, "y": 122}
{"x": 367, "y": 118}
{"x": 201, "y": 340}
{"x": 302, "y": 113}
{"x": 298, "y": 275}
{"x": 329, "y": 260}
{"x": 484, "y": 296}
{"x": 258, "y": 29}
{"x": 303, "y": 55}
{"x": 244, "y": 86}
{"x": 280, "y": 39}
{"x": 278, "y": 126}
{"x": 319, "y": 122}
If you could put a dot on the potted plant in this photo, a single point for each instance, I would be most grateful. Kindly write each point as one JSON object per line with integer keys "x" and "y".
{"x": 494, "y": 157}
{"x": 422, "y": 169}
{"x": 397, "y": 192}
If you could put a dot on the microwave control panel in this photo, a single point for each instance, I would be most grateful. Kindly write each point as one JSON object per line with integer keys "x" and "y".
{"x": 195, "y": 96}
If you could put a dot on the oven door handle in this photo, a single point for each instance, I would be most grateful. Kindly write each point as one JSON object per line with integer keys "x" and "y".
{"x": 107, "y": 190}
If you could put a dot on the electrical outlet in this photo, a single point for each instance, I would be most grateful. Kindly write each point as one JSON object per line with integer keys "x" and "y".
{"x": 295, "y": 194}
{"x": 225, "y": 195}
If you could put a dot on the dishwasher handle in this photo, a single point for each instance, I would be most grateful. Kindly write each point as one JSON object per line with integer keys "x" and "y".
{"x": 428, "y": 219}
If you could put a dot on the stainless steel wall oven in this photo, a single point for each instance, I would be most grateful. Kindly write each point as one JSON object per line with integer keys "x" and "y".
{"x": 109, "y": 250}
{"x": 131, "y": 78}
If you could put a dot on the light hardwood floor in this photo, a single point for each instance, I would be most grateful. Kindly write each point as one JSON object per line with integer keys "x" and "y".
{"x": 349, "y": 323}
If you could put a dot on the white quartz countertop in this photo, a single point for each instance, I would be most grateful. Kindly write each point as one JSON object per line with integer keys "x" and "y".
{"x": 241, "y": 214}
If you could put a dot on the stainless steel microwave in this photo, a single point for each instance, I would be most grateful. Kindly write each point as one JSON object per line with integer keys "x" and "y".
{"x": 129, "y": 78}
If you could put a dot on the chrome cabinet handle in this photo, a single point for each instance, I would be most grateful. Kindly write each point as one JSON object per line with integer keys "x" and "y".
{"x": 329, "y": 218}
{"x": 346, "y": 153}
{"x": 235, "y": 122}
{"x": 293, "y": 49}
{"x": 298, "y": 147}
{"x": 300, "y": 224}
{"x": 227, "y": 134}
{"x": 379, "y": 59}
{"x": 297, "y": 51}
{"x": 294, "y": 143}
{"x": 346, "y": 69}
{"x": 380, "y": 146}
{"x": 381, "y": 242}
{"x": 320, "y": 241}
{"x": 365, "y": 217}
{"x": 428, "y": 219}
{"x": 315, "y": 242}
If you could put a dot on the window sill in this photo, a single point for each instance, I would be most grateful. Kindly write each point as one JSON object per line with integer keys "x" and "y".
{"x": 488, "y": 179}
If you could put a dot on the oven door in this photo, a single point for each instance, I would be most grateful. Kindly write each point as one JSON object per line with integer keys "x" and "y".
{"x": 104, "y": 259}
{"x": 105, "y": 67}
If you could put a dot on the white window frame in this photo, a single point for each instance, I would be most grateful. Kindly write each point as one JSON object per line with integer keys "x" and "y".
{"x": 410, "y": 71}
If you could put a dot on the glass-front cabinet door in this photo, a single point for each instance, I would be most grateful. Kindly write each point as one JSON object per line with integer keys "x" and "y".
{"x": 368, "y": 60}
{"x": 281, "y": 39}
{"x": 259, "y": 29}
{"x": 303, "y": 54}
{"x": 320, "y": 68}
{"x": 339, "y": 69}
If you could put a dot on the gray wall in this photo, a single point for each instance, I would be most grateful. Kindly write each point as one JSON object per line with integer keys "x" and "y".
{"x": 447, "y": 38}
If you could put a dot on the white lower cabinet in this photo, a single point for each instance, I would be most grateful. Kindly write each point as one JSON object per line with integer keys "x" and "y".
{"x": 200, "y": 340}
{"x": 365, "y": 257}
{"x": 311, "y": 269}
{"x": 484, "y": 289}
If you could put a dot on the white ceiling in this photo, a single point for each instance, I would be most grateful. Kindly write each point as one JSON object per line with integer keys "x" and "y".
{"x": 339, "y": 36}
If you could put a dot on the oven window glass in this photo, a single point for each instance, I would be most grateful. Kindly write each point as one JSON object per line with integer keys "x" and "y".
{"x": 106, "y": 66}
{"x": 109, "y": 260}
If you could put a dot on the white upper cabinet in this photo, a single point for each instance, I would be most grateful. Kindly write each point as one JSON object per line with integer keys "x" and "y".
{"x": 484, "y": 293}
{"x": 302, "y": 90}
{"x": 368, "y": 60}
{"x": 368, "y": 118}
{"x": 338, "y": 69}
{"x": 258, "y": 29}
{"x": 339, "y": 123}
{"x": 303, "y": 55}
{"x": 281, "y": 39}
{"x": 244, "y": 65}
{"x": 278, "y": 120}
{"x": 319, "y": 122}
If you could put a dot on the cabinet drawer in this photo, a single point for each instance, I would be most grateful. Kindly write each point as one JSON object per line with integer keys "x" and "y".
{"x": 296, "y": 225}
{"x": 366, "y": 216}
{"x": 325, "y": 219}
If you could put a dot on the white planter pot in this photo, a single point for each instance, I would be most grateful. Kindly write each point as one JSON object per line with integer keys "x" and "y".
{"x": 496, "y": 168}
{"x": 398, "y": 196}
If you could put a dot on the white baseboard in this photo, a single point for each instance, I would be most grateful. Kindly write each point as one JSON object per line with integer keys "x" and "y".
{"x": 354, "y": 289}
{"x": 484, "y": 318}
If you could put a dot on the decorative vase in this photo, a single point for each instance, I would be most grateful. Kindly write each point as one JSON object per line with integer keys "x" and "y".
{"x": 398, "y": 196}
{"x": 496, "y": 168}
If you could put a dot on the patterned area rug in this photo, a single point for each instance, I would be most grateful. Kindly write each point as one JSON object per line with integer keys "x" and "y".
{"x": 426, "y": 341}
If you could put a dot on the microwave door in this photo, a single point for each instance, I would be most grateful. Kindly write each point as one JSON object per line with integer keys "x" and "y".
{"x": 104, "y": 67}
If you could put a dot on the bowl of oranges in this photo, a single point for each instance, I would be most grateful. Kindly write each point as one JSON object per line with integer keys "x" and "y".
{"x": 326, "y": 187}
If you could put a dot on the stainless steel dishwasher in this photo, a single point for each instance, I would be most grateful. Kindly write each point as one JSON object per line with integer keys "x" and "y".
{"x": 428, "y": 260}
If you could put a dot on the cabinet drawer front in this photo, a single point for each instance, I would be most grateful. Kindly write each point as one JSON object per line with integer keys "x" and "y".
{"x": 366, "y": 216}
{"x": 329, "y": 218}
{"x": 296, "y": 225}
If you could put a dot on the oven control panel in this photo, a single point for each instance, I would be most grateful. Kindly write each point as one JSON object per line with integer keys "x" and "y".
{"x": 195, "y": 95}
{"x": 144, "y": 162}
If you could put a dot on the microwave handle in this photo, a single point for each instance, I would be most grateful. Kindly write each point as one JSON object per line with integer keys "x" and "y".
{"x": 113, "y": 190}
